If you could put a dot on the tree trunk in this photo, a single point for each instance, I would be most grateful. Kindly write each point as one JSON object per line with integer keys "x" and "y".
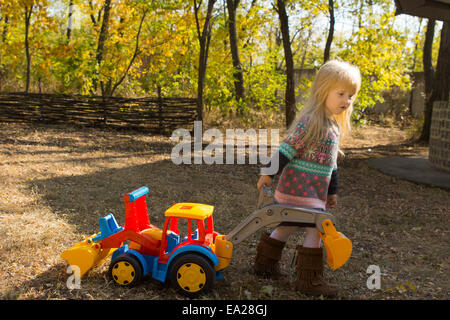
{"x": 413, "y": 68}
{"x": 428, "y": 79}
{"x": 101, "y": 42}
{"x": 94, "y": 21}
{"x": 326, "y": 55}
{"x": 69, "y": 20}
{"x": 441, "y": 81}
{"x": 427, "y": 58}
{"x": 5, "y": 28}
{"x": 290, "y": 87}
{"x": 28, "y": 12}
{"x": 441, "y": 87}
{"x": 204, "y": 38}
{"x": 238, "y": 75}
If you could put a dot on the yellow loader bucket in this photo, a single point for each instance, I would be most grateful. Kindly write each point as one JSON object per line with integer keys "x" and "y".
{"x": 223, "y": 250}
{"x": 86, "y": 255}
{"x": 337, "y": 246}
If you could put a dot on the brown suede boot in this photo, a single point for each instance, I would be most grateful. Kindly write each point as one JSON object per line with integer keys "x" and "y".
{"x": 310, "y": 279}
{"x": 268, "y": 254}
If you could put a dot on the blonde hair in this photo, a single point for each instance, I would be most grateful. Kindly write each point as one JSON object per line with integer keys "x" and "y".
{"x": 331, "y": 74}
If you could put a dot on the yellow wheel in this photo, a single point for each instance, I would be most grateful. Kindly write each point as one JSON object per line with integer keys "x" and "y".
{"x": 192, "y": 274}
{"x": 191, "y": 277}
{"x": 125, "y": 270}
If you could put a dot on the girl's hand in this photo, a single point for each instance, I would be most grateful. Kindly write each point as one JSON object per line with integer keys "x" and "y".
{"x": 264, "y": 180}
{"x": 331, "y": 201}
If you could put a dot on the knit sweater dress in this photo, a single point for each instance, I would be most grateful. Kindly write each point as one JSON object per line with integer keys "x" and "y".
{"x": 307, "y": 176}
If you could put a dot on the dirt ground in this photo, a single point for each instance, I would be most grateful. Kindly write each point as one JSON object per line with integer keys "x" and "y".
{"x": 56, "y": 182}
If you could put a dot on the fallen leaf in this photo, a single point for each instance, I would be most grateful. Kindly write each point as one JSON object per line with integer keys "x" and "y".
{"x": 267, "y": 290}
{"x": 401, "y": 288}
{"x": 411, "y": 286}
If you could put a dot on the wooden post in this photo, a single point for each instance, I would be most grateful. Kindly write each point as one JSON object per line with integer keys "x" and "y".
{"x": 160, "y": 109}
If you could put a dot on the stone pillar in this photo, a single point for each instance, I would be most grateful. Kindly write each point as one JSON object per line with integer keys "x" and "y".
{"x": 439, "y": 156}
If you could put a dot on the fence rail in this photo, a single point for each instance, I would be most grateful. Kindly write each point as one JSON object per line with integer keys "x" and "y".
{"x": 159, "y": 115}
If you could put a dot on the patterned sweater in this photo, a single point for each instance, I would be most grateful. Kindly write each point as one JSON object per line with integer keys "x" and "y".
{"x": 307, "y": 176}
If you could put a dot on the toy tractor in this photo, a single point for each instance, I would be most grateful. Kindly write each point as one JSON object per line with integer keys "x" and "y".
{"x": 190, "y": 262}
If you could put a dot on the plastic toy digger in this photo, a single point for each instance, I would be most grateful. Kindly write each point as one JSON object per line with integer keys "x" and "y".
{"x": 193, "y": 262}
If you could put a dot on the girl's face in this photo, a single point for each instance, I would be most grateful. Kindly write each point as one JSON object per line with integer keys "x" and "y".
{"x": 338, "y": 99}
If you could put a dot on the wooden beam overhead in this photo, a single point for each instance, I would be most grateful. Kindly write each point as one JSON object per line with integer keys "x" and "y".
{"x": 431, "y": 9}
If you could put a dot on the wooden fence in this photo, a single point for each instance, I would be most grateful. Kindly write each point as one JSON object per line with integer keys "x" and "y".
{"x": 159, "y": 115}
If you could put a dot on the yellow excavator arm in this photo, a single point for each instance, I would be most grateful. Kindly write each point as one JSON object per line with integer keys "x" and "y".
{"x": 270, "y": 214}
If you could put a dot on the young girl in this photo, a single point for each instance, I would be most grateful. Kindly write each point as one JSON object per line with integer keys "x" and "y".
{"x": 307, "y": 163}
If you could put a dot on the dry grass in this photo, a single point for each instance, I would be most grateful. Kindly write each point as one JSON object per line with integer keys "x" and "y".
{"x": 56, "y": 182}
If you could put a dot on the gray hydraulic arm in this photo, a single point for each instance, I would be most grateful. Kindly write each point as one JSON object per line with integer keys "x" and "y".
{"x": 269, "y": 213}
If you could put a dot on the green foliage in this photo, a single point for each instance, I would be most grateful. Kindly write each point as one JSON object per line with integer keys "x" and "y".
{"x": 377, "y": 50}
{"x": 265, "y": 85}
{"x": 168, "y": 49}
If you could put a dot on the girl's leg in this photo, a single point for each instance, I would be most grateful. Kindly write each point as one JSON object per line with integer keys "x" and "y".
{"x": 268, "y": 252}
{"x": 310, "y": 279}
{"x": 282, "y": 233}
{"x": 312, "y": 238}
